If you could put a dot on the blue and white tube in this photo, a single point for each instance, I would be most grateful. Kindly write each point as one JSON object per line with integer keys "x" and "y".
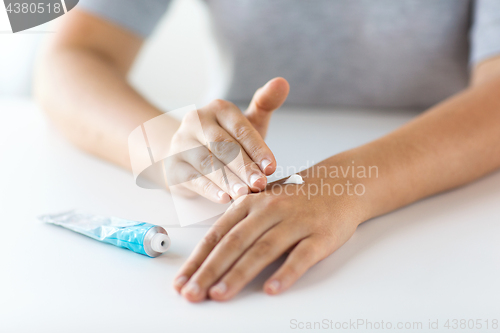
{"x": 140, "y": 237}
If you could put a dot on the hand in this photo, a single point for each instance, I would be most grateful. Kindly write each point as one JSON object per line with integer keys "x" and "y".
{"x": 257, "y": 229}
{"x": 197, "y": 151}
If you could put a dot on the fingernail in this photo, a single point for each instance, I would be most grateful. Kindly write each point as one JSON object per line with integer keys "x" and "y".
{"x": 191, "y": 288}
{"x": 240, "y": 189}
{"x": 264, "y": 164}
{"x": 180, "y": 281}
{"x": 274, "y": 286}
{"x": 219, "y": 289}
{"x": 254, "y": 178}
{"x": 222, "y": 195}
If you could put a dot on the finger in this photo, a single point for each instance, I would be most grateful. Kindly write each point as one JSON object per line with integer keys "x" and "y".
{"x": 227, "y": 251}
{"x": 265, "y": 250}
{"x": 229, "y": 152}
{"x": 194, "y": 181}
{"x": 233, "y": 215}
{"x": 179, "y": 170}
{"x": 206, "y": 163}
{"x": 306, "y": 254}
{"x": 203, "y": 126}
{"x": 267, "y": 99}
{"x": 230, "y": 118}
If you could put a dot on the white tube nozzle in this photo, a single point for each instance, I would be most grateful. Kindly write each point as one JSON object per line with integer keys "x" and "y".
{"x": 160, "y": 242}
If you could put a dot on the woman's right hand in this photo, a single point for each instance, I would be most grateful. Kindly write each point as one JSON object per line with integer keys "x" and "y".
{"x": 212, "y": 138}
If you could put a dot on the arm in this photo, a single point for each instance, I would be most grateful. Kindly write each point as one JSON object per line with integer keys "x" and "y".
{"x": 81, "y": 82}
{"x": 451, "y": 144}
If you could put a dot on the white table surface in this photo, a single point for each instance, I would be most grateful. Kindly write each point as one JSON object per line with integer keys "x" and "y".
{"x": 437, "y": 259}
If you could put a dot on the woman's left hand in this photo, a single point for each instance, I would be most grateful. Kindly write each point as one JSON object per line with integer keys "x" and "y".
{"x": 258, "y": 228}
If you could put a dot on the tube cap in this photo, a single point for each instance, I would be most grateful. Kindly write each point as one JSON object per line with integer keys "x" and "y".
{"x": 160, "y": 242}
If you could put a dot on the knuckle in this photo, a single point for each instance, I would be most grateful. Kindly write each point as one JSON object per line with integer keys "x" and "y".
{"x": 206, "y": 164}
{"x": 219, "y": 104}
{"x": 245, "y": 167}
{"x": 262, "y": 248}
{"x": 207, "y": 188}
{"x": 325, "y": 233}
{"x": 233, "y": 240}
{"x": 242, "y": 131}
{"x": 321, "y": 246}
{"x": 217, "y": 136}
{"x": 211, "y": 239}
{"x": 191, "y": 117}
{"x": 256, "y": 150}
{"x": 225, "y": 147}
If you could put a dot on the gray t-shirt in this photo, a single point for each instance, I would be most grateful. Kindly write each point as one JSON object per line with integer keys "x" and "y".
{"x": 361, "y": 53}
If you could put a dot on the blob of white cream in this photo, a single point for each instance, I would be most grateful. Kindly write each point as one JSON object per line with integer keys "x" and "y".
{"x": 294, "y": 179}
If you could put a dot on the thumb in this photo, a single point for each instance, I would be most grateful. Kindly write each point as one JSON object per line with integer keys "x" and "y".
{"x": 267, "y": 99}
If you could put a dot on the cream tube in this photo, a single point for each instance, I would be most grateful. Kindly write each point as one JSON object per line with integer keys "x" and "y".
{"x": 140, "y": 237}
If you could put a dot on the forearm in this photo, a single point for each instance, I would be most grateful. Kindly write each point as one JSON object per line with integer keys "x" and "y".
{"x": 90, "y": 101}
{"x": 451, "y": 144}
